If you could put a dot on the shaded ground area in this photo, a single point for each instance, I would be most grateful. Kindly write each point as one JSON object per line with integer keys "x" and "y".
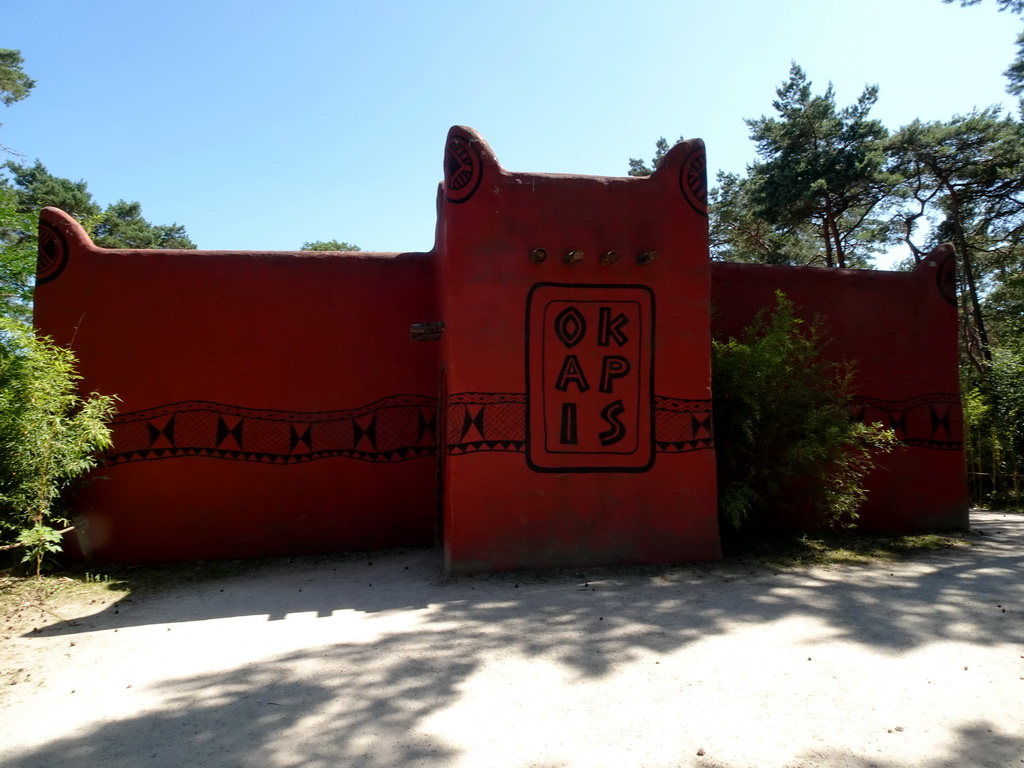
{"x": 375, "y": 660}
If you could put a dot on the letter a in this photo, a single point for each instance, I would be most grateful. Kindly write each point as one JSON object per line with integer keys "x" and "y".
{"x": 571, "y": 373}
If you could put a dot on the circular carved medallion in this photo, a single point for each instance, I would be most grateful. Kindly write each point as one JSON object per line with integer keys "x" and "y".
{"x": 946, "y": 279}
{"x": 463, "y": 169}
{"x": 53, "y": 253}
{"x": 693, "y": 180}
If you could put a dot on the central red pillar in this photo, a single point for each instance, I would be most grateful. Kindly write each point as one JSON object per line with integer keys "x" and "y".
{"x": 576, "y": 358}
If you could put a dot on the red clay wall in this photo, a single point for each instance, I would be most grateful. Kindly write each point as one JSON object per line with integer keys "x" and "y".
{"x": 577, "y": 387}
{"x": 901, "y": 330}
{"x": 271, "y": 403}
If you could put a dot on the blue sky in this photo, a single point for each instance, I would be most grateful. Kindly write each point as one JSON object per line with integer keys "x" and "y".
{"x": 262, "y": 125}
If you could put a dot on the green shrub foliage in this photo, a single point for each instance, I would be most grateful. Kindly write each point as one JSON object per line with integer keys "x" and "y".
{"x": 994, "y": 417}
{"x": 786, "y": 443}
{"x": 49, "y": 436}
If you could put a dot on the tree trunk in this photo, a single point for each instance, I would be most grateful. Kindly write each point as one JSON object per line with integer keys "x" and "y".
{"x": 840, "y": 254}
{"x": 960, "y": 242}
{"x": 826, "y": 236}
{"x": 835, "y": 245}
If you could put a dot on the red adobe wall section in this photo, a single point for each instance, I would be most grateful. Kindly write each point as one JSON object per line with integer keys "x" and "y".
{"x": 274, "y": 403}
{"x": 576, "y": 364}
{"x": 271, "y": 403}
{"x": 901, "y": 330}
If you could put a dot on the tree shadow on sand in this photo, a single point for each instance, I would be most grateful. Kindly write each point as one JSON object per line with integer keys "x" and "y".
{"x": 369, "y": 702}
{"x": 882, "y": 605}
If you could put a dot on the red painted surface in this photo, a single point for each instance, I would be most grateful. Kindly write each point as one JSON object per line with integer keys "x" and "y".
{"x": 274, "y": 403}
{"x": 251, "y": 384}
{"x": 900, "y": 330}
{"x": 576, "y": 392}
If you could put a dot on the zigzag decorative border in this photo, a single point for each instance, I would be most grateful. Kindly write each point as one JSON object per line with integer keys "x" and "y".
{"x": 395, "y": 428}
{"x": 682, "y": 425}
{"x": 496, "y": 421}
{"x": 404, "y": 427}
{"x": 933, "y": 420}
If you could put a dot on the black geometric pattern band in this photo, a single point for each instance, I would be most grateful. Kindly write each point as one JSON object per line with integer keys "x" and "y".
{"x": 403, "y": 427}
{"x": 486, "y": 421}
{"x": 926, "y": 421}
{"x": 682, "y": 425}
{"x": 496, "y": 421}
{"x": 395, "y": 428}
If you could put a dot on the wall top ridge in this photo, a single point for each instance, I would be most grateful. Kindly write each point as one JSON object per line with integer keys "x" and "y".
{"x": 68, "y": 230}
{"x": 468, "y": 159}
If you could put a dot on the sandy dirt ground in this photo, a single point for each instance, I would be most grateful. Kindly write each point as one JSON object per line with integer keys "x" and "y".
{"x": 375, "y": 660}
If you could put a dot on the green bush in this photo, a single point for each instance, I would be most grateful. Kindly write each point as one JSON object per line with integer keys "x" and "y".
{"x": 786, "y": 444}
{"x": 49, "y": 436}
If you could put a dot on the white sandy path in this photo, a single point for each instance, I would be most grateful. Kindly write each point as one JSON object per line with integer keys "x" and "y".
{"x": 917, "y": 664}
